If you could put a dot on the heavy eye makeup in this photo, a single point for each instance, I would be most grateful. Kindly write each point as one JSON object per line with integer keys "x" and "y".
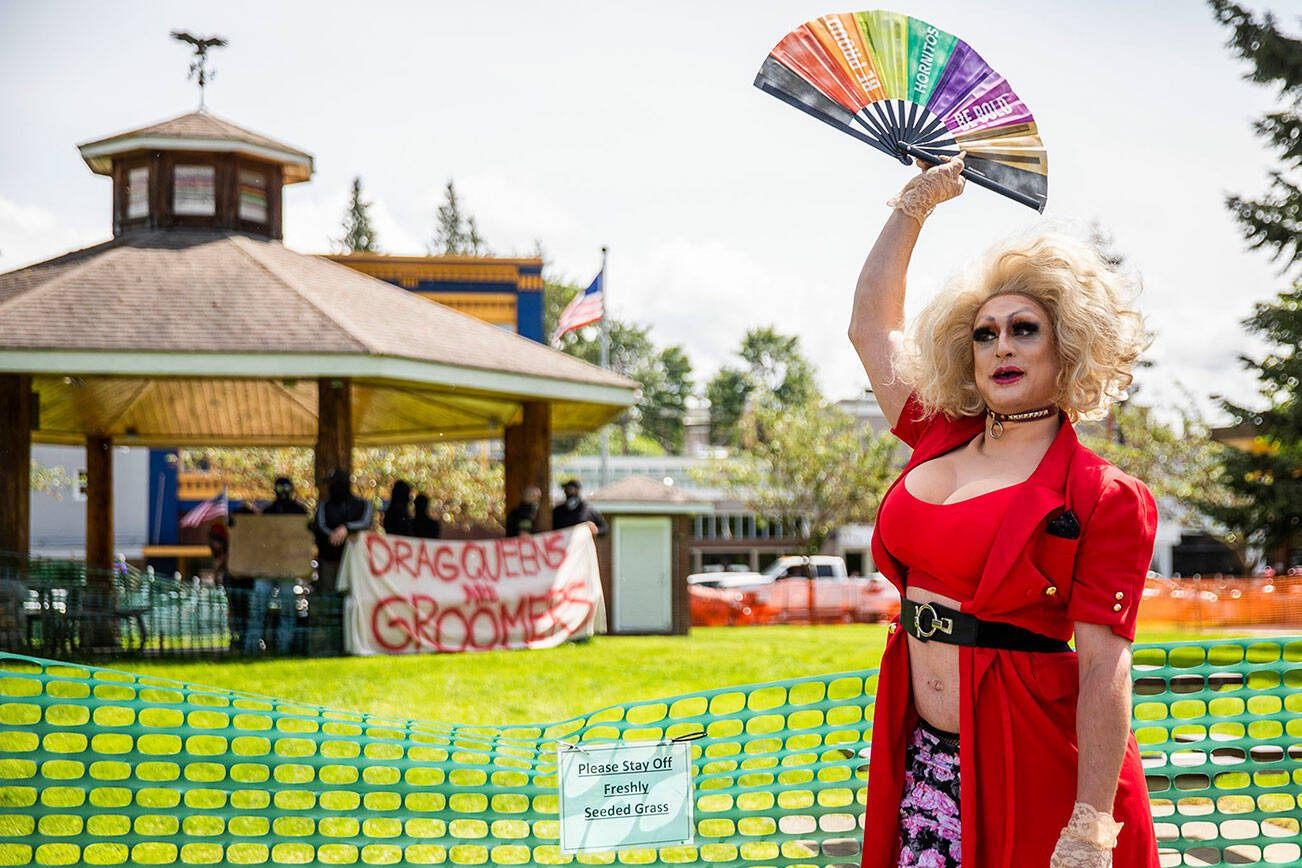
{"x": 1021, "y": 329}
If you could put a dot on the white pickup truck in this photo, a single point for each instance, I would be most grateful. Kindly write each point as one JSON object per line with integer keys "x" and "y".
{"x": 782, "y": 593}
{"x": 825, "y": 567}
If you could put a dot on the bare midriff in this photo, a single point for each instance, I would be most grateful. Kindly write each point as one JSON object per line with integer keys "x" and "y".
{"x": 940, "y": 522}
{"x": 933, "y": 669}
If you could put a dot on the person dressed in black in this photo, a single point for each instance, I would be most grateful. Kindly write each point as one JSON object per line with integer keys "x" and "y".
{"x": 397, "y": 515}
{"x": 575, "y": 510}
{"x": 264, "y": 587}
{"x": 340, "y": 514}
{"x": 285, "y": 502}
{"x": 422, "y": 525}
{"x": 237, "y": 588}
{"x": 524, "y": 517}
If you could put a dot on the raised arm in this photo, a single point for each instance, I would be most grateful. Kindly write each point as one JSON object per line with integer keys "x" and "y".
{"x": 877, "y": 320}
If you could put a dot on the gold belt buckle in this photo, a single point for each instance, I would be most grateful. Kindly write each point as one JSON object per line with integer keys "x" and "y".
{"x": 944, "y": 625}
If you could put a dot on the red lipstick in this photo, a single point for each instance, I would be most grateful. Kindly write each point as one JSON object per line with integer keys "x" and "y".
{"x": 1007, "y": 374}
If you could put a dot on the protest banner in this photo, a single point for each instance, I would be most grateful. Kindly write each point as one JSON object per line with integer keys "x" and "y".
{"x": 412, "y": 595}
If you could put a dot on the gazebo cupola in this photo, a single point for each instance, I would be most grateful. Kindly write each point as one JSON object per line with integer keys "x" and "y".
{"x": 197, "y": 171}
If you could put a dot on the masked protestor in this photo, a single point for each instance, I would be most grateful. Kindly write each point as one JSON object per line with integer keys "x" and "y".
{"x": 397, "y": 515}
{"x": 575, "y": 510}
{"x": 285, "y": 502}
{"x": 523, "y": 518}
{"x": 263, "y": 588}
{"x": 340, "y": 514}
{"x": 422, "y": 524}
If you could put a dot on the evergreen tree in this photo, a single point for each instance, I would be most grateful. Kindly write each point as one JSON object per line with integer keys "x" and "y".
{"x": 457, "y": 233}
{"x": 1267, "y": 478}
{"x": 359, "y": 233}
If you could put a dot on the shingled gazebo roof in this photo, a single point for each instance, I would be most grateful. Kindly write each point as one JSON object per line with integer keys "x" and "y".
{"x": 197, "y": 131}
{"x": 199, "y": 336}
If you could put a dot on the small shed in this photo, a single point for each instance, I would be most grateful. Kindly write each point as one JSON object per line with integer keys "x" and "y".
{"x": 646, "y": 557}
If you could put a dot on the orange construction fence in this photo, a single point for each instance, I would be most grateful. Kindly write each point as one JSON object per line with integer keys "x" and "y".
{"x": 1195, "y": 603}
{"x": 1224, "y": 602}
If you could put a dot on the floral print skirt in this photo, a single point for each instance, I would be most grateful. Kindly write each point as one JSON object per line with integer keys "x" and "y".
{"x": 930, "y": 832}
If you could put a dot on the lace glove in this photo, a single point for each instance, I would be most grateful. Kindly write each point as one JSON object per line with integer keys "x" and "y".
{"x": 1088, "y": 840}
{"x": 926, "y": 190}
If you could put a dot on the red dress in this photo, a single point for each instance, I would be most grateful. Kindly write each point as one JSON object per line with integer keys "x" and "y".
{"x": 1017, "y": 743}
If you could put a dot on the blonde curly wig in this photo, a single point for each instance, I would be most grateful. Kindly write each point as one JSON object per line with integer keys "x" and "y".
{"x": 1098, "y": 333}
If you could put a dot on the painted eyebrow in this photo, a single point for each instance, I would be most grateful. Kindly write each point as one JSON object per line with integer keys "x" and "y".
{"x": 992, "y": 318}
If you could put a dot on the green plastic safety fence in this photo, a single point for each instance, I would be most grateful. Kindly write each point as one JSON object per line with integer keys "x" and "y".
{"x": 1219, "y": 726}
{"x": 103, "y": 767}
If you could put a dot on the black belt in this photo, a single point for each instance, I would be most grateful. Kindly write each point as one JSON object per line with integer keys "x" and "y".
{"x": 932, "y": 622}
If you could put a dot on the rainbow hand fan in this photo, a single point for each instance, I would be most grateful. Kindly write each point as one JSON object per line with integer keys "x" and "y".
{"x": 911, "y": 90}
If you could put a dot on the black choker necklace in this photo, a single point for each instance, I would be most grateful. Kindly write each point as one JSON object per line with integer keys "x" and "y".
{"x": 998, "y": 419}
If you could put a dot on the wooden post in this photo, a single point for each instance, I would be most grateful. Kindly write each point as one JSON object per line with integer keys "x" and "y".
{"x": 15, "y": 463}
{"x": 334, "y": 433}
{"x": 99, "y": 509}
{"x": 527, "y": 451}
{"x": 98, "y": 625}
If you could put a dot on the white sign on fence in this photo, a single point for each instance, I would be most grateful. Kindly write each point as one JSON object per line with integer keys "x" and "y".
{"x": 625, "y": 794}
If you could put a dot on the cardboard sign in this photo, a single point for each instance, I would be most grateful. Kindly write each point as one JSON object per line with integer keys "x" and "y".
{"x": 625, "y": 794}
{"x": 271, "y": 546}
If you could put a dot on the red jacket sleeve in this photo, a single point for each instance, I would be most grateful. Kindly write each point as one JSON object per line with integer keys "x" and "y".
{"x": 1113, "y": 558}
{"x": 912, "y": 424}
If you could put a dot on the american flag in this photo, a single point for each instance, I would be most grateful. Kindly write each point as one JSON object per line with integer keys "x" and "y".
{"x": 585, "y": 309}
{"x": 206, "y": 511}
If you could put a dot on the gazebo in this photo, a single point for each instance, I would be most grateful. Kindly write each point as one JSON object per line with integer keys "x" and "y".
{"x": 195, "y": 325}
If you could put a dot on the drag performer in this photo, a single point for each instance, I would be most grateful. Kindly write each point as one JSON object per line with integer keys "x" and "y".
{"x": 994, "y": 745}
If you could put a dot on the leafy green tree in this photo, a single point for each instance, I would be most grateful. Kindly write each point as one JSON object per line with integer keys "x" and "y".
{"x": 728, "y": 391}
{"x": 463, "y": 484}
{"x": 632, "y": 354}
{"x": 1179, "y": 462}
{"x": 816, "y": 468}
{"x": 665, "y": 375}
{"x": 359, "y": 232}
{"x": 1267, "y": 478}
{"x": 631, "y": 349}
{"x": 777, "y": 366}
{"x": 774, "y": 372}
{"x": 666, "y": 389}
{"x": 456, "y": 233}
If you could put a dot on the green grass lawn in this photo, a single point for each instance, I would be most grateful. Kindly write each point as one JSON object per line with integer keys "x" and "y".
{"x": 513, "y": 687}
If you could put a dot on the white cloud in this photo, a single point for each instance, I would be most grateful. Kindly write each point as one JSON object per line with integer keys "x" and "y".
{"x": 30, "y": 233}
{"x": 511, "y": 214}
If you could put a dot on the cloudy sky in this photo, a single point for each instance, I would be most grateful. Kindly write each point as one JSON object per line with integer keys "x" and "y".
{"x": 636, "y": 126}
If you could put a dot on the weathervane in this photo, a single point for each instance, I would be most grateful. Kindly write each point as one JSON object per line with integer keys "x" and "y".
{"x": 199, "y": 65}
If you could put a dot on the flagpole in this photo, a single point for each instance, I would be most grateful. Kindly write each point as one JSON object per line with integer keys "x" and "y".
{"x": 605, "y": 363}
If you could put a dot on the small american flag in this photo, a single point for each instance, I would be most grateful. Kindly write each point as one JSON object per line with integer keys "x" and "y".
{"x": 586, "y": 308}
{"x": 206, "y": 511}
